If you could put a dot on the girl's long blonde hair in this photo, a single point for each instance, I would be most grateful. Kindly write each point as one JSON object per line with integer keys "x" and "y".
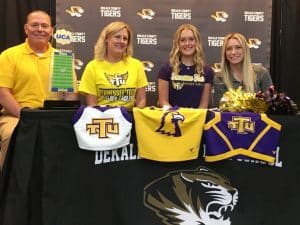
{"x": 249, "y": 75}
{"x": 100, "y": 49}
{"x": 175, "y": 55}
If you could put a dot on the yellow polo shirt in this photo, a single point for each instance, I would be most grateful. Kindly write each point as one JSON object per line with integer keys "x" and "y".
{"x": 27, "y": 74}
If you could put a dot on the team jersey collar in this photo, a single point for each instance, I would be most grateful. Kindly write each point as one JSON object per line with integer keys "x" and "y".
{"x": 28, "y": 49}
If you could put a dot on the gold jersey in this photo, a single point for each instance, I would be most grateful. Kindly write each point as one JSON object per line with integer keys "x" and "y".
{"x": 169, "y": 135}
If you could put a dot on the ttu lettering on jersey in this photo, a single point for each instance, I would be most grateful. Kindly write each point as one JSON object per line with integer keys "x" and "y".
{"x": 240, "y": 135}
{"x": 169, "y": 135}
{"x": 102, "y": 128}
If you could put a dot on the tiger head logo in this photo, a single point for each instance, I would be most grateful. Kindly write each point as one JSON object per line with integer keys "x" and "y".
{"x": 169, "y": 124}
{"x": 148, "y": 65}
{"x": 220, "y": 16}
{"x": 254, "y": 43}
{"x": 117, "y": 79}
{"x": 75, "y": 11}
{"x": 216, "y": 67}
{"x": 192, "y": 197}
{"x": 146, "y": 14}
{"x": 78, "y": 64}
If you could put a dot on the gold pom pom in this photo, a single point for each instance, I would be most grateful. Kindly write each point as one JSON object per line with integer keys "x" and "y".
{"x": 240, "y": 101}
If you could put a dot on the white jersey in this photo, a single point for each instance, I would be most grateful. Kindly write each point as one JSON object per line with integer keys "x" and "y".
{"x": 102, "y": 128}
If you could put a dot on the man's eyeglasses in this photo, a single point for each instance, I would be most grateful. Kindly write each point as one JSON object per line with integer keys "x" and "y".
{"x": 43, "y": 26}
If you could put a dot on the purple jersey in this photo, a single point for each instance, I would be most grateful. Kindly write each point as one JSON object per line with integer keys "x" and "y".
{"x": 185, "y": 89}
{"x": 228, "y": 134}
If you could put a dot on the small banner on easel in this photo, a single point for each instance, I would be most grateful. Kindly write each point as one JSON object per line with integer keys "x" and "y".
{"x": 62, "y": 72}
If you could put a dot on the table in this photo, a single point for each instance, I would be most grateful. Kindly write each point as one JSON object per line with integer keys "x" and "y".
{"x": 48, "y": 180}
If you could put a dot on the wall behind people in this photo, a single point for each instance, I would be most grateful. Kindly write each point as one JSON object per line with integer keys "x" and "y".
{"x": 285, "y": 47}
{"x": 154, "y": 25}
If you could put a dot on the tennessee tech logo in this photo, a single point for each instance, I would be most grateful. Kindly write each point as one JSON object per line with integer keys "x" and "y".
{"x": 192, "y": 197}
{"x": 146, "y": 14}
{"x": 254, "y": 42}
{"x": 220, "y": 16}
{"x": 75, "y": 11}
{"x": 102, "y": 127}
{"x": 242, "y": 125}
{"x": 169, "y": 124}
{"x": 117, "y": 79}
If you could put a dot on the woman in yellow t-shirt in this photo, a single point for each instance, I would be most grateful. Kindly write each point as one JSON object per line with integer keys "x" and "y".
{"x": 114, "y": 77}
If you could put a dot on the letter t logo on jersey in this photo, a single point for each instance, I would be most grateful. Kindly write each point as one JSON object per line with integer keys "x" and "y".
{"x": 242, "y": 125}
{"x": 102, "y": 127}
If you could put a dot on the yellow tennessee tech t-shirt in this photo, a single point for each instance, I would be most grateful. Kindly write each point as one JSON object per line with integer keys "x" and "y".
{"x": 114, "y": 84}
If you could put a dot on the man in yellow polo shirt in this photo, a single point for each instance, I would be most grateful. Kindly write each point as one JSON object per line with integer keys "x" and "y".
{"x": 24, "y": 74}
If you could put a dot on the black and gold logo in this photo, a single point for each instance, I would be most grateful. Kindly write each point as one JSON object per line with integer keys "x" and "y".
{"x": 242, "y": 125}
{"x": 254, "y": 42}
{"x": 75, "y": 11}
{"x": 220, "y": 16}
{"x": 78, "y": 64}
{"x": 216, "y": 67}
{"x": 103, "y": 127}
{"x": 190, "y": 197}
{"x": 146, "y": 14}
{"x": 148, "y": 65}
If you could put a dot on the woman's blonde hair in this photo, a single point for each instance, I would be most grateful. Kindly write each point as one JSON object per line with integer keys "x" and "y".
{"x": 100, "y": 49}
{"x": 249, "y": 75}
{"x": 175, "y": 55}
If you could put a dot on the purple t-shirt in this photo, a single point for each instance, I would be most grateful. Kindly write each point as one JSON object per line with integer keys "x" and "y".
{"x": 185, "y": 89}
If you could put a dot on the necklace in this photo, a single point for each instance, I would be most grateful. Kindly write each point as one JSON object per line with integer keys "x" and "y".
{"x": 188, "y": 67}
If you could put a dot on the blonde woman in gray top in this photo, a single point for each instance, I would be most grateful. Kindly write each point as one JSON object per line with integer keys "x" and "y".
{"x": 237, "y": 70}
